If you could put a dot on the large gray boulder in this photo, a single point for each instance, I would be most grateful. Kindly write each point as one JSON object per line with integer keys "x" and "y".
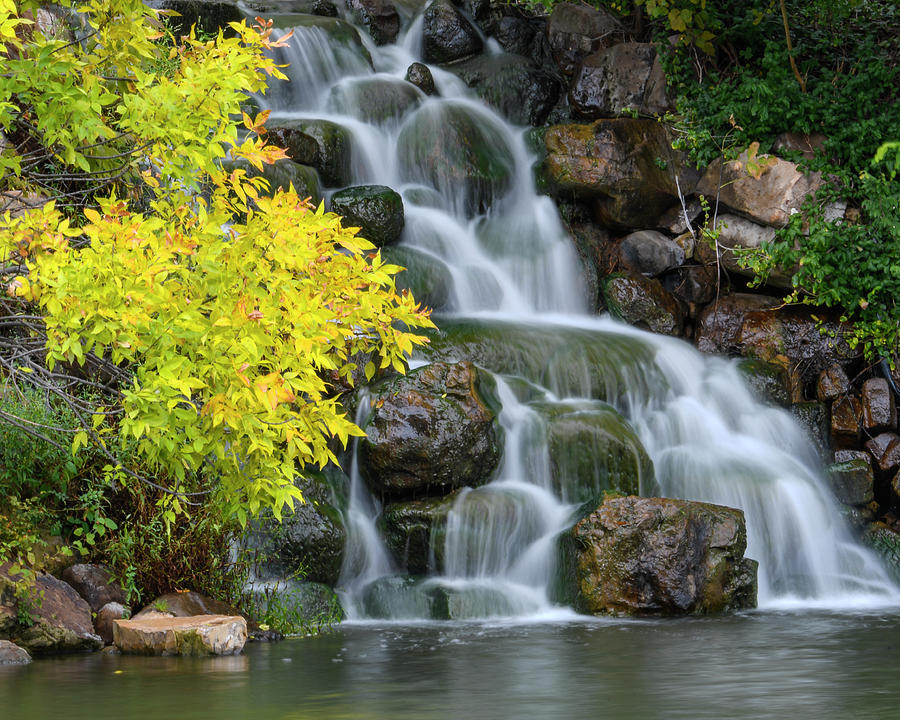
{"x": 643, "y": 302}
{"x": 626, "y": 77}
{"x": 333, "y": 149}
{"x": 197, "y": 635}
{"x": 657, "y": 556}
{"x": 448, "y": 34}
{"x": 95, "y": 584}
{"x": 430, "y": 432}
{"x": 650, "y": 252}
{"x": 12, "y": 654}
{"x": 576, "y": 31}
{"x": 379, "y": 16}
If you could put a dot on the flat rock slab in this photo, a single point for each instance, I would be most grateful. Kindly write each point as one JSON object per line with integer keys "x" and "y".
{"x": 193, "y": 635}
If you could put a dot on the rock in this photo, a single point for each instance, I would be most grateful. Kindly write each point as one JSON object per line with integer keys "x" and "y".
{"x": 426, "y": 276}
{"x": 813, "y": 417}
{"x": 719, "y": 325}
{"x": 807, "y": 143}
{"x": 626, "y": 166}
{"x": 324, "y": 8}
{"x": 381, "y": 100}
{"x": 413, "y": 532}
{"x": 885, "y": 449}
{"x": 18, "y": 202}
{"x": 852, "y": 480}
{"x": 625, "y": 77}
{"x": 376, "y": 209}
{"x": 523, "y": 93}
{"x": 770, "y": 383}
{"x": 184, "y": 604}
{"x": 12, "y": 654}
{"x": 334, "y": 149}
{"x": 60, "y": 619}
{"x": 642, "y": 302}
{"x": 299, "y": 147}
{"x": 310, "y": 539}
{"x": 845, "y": 416}
{"x": 739, "y": 233}
{"x": 680, "y": 218}
{"x": 105, "y": 616}
{"x": 448, "y": 35}
{"x": 886, "y": 542}
{"x": 576, "y": 31}
{"x": 693, "y": 285}
{"x": 879, "y": 411}
{"x": 656, "y": 556}
{"x": 195, "y": 635}
{"x": 209, "y": 16}
{"x": 420, "y": 75}
{"x": 832, "y": 383}
{"x": 430, "y": 431}
{"x": 283, "y": 174}
{"x": 650, "y": 252}
{"x": 515, "y": 35}
{"x": 458, "y": 150}
{"x": 94, "y": 583}
{"x": 771, "y": 198}
{"x": 379, "y": 16}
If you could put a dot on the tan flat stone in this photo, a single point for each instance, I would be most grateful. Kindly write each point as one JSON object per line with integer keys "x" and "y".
{"x": 193, "y": 635}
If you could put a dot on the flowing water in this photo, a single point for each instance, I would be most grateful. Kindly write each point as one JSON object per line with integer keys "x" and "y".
{"x": 518, "y": 310}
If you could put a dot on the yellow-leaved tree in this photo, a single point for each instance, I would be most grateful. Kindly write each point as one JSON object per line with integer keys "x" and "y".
{"x": 176, "y": 307}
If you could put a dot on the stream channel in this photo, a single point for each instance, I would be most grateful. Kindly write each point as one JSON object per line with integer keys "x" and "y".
{"x": 824, "y": 641}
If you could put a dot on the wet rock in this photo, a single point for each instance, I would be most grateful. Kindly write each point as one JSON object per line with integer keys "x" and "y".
{"x": 379, "y": 16}
{"x": 520, "y": 91}
{"x": 282, "y": 175}
{"x": 459, "y": 151}
{"x": 413, "y": 532}
{"x": 885, "y": 449}
{"x": 656, "y": 556}
{"x": 430, "y": 432}
{"x": 886, "y": 542}
{"x": 680, "y": 218}
{"x": 209, "y": 16}
{"x": 447, "y": 33}
{"x": 576, "y": 31}
{"x": 719, "y": 325}
{"x": 12, "y": 654}
{"x": 95, "y": 584}
{"x": 515, "y": 35}
{"x": 642, "y": 302}
{"x": 769, "y": 195}
{"x": 426, "y": 276}
{"x": 299, "y": 147}
{"x": 832, "y": 383}
{"x": 739, "y": 233}
{"x": 770, "y": 383}
{"x": 103, "y": 624}
{"x": 419, "y": 75}
{"x": 324, "y": 8}
{"x": 625, "y": 166}
{"x": 376, "y": 209}
{"x": 195, "y": 635}
{"x": 60, "y": 619}
{"x": 693, "y": 285}
{"x": 852, "y": 480}
{"x": 650, "y": 252}
{"x": 814, "y": 418}
{"x": 334, "y": 149}
{"x": 845, "y": 425}
{"x": 379, "y": 100}
{"x": 625, "y": 77}
{"x": 879, "y": 411}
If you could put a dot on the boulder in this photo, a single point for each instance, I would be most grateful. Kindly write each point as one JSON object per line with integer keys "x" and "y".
{"x": 852, "y": 479}
{"x": 719, "y": 325}
{"x": 430, "y": 432}
{"x": 693, "y": 285}
{"x": 767, "y": 190}
{"x": 832, "y": 383}
{"x": 576, "y": 31}
{"x": 333, "y": 141}
{"x": 448, "y": 35}
{"x": 209, "y": 16}
{"x": 58, "y": 619}
{"x": 515, "y": 35}
{"x": 626, "y": 77}
{"x": 95, "y": 584}
{"x": 420, "y": 75}
{"x": 885, "y": 449}
{"x": 650, "y": 252}
{"x": 460, "y": 151}
{"x": 376, "y": 209}
{"x": 413, "y": 532}
{"x": 12, "y": 654}
{"x": 194, "y": 635}
{"x": 770, "y": 383}
{"x": 626, "y": 167}
{"x": 643, "y": 302}
{"x": 808, "y": 144}
{"x": 106, "y": 615}
{"x": 380, "y": 100}
{"x": 298, "y": 145}
{"x": 379, "y": 16}
{"x": 879, "y": 412}
{"x": 657, "y": 556}
{"x": 845, "y": 421}
{"x": 519, "y": 90}
{"x": 813, "y": 417}
{"x": 426, "y": 276}
{"x": 324, "y": 8}
{"x": 184, "y": 604}
{"x": 885, "y": 541}
{"x": 281, "y": 175}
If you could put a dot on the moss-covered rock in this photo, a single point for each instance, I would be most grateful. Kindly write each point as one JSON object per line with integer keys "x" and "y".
{"x": 379, "y": 100}
{"x": 414, "y": 532}
{"x": 643, "y": 302}
{"x": 334, "y": 148}
{"x": 376, "y": 209}
{"x": 426, "y": 276}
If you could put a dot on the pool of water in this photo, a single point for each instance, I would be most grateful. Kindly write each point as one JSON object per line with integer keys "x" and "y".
{"x": 755, "y": 665}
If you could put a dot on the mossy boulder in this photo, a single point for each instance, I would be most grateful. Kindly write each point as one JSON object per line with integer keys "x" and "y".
{"x": 430, "y": 432}
{"x": 334, "y": 145}
{"x": 284, "y": 174}
{"x": 376, "y": 209}
{"x": 414, "y": 532}
{"x": 426, "y": 276}
{"x": 643, "y": 302}
{"x": 381, "y": 100}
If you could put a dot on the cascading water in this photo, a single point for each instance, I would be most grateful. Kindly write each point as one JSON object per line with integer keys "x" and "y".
{"x": 518, "y": 301}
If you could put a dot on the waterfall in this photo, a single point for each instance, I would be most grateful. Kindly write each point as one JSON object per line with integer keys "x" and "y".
{"x": 516, "y": 281}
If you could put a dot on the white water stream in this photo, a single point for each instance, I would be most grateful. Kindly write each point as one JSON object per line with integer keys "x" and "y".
{"x": 513, "y": 267}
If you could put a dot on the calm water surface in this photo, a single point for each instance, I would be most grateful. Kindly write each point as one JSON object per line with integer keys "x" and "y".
{"x": 758, "y": 665}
